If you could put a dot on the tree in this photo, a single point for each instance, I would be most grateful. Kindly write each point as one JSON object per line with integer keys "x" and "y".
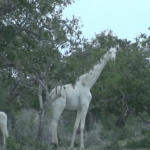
{"x": 32, "y": 35}
{"x": 122, "y": 88}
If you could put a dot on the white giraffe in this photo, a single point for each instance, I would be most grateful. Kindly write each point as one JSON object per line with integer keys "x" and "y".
{"x": 3, "y": 126}
{"x": 78, "y": 98}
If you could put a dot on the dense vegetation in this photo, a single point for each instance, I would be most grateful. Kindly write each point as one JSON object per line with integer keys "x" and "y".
{"x": 39, "y": 50}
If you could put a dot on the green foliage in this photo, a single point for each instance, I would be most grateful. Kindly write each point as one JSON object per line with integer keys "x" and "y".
{"x": 123, "y": 85}
{"x": 134, "y": 134}
{"x": 12, "y": 144}
{"x": 146, "y": 132}
{"x": 142, "y": 143}
{"x": 113, "y": 145}
{"x": 32, "y": 34}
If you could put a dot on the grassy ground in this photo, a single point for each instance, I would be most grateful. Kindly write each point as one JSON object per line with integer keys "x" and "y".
{"x": 104, "y": 135}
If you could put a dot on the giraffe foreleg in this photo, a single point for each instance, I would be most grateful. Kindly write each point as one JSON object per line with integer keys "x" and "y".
{"x": 54, "y": 133}
{"x": 82, "y": 124}
{"x": 78, "y": 118}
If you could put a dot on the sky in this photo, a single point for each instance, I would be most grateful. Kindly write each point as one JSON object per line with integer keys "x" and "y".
{"x": 126, "y": 18}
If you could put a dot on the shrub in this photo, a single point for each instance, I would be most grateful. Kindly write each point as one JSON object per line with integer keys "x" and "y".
{"x": 12, "y": 144}
{"x": 142, "y": 143}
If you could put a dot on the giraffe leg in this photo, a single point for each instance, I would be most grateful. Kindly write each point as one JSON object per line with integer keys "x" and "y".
{"x": 54, "y": 134}
{"x": 78, "y": 118}
{"x": 4, "y": 132}
{"x": 57, "y": 109}
{"x": 82, "y": 124}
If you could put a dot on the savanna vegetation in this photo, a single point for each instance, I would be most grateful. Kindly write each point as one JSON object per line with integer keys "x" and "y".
{"x": 40, "y": 50}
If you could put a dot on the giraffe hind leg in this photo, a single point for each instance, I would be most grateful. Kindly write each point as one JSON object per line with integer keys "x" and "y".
{"x": 57, "y": 109}
{"x": 82, "y": 123}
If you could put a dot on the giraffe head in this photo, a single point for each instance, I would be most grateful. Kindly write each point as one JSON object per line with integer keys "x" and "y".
{"x": 112, "y": 53}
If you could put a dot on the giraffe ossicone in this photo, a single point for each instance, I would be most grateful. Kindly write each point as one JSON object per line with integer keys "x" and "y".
{"x": 78, "y": 98}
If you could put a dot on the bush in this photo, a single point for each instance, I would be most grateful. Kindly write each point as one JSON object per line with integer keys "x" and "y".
{"x": 143, "y": 143}
{"x": 12, "y": 144}
{"x": 146, "y": 132}
{"x": 113, "y": 145}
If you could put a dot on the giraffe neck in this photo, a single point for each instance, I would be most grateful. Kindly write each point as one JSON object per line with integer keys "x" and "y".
{"x": 91, "y": 77}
